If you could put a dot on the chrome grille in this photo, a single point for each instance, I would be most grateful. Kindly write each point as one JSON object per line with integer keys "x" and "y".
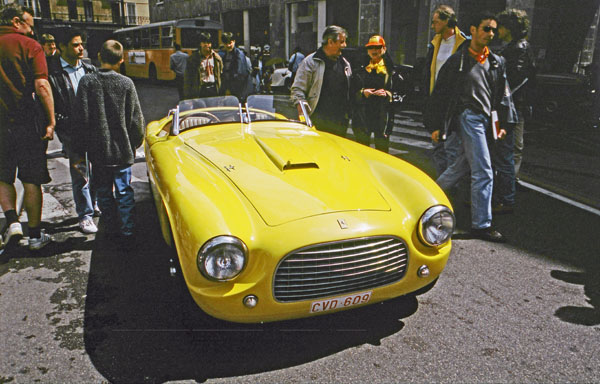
{"x": 340, "y": 267}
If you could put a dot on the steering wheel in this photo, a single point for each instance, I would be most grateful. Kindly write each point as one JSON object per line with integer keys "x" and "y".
{"x": 213, "y": 118}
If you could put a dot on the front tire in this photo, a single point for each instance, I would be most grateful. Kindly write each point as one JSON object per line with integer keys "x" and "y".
{"x": 152, "y": 74}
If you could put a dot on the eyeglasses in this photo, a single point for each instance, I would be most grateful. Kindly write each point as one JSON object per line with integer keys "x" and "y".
{"x": 488, "y": 29}
{"x": 26, "y": 23}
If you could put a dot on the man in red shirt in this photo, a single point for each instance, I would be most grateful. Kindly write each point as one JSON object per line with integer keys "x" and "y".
{"x": 23, "y": 77}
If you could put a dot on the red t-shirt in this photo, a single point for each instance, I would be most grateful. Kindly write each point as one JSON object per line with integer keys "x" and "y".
{"x": 22, "y": 61}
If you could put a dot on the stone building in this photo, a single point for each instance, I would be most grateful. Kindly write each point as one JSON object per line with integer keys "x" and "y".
{"x": 563, "y": 34}
{"x": 97, "y": 19}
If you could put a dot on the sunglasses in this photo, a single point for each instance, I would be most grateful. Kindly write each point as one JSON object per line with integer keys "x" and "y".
{"x": 488, "y": 29}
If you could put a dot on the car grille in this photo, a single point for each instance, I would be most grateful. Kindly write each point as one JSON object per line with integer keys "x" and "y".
{"x": 340, "y": 267}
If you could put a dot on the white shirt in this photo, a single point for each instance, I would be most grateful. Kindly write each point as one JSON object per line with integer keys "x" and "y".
{"x": 207, "y": 73}
{"x": 444, "y": 53}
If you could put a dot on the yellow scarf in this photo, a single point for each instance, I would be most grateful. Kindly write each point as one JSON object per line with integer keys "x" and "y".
{"x": 379, "y": 67}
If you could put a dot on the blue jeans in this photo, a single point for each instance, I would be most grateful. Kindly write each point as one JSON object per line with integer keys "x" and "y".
{"x": 475, "y": 156}
{"x": 84, "y": 193}
{"x": 504, "y": 167}
{"x": 445, "y": 152}
{"x": 120, "y": 203}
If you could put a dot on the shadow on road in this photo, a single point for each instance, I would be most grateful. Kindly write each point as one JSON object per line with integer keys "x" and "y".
{"x": 141, "y": 324}
{"x": 556, "y": 231}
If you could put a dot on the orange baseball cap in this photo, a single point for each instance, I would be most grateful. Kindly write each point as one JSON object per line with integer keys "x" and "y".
{"x": 375, "y": 41}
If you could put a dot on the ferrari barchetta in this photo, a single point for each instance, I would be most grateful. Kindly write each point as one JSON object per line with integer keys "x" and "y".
{"x": 273, "y": 219}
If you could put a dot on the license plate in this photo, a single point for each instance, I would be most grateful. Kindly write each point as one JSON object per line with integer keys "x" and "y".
{"x": 340, "y": 302}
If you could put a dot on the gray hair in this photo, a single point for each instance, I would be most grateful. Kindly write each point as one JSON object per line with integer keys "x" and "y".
{"x": 12, "y": 10}
{"x": 333, "y": 32}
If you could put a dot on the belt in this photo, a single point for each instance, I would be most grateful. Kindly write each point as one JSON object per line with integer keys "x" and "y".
{"x": 208, "y": 85}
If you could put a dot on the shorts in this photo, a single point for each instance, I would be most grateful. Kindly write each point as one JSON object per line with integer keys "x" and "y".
{"x": 22, "y": 154}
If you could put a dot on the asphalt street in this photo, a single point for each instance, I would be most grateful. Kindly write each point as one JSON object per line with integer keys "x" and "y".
{"x": 85, "y": 311}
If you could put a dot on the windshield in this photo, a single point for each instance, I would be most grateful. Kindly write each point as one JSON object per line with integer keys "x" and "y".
{"x": 195, "y": 113}
{"x": 277, "y": 108}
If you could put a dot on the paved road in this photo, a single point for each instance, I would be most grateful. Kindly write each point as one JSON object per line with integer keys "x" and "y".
{"x": 82, "y": 310}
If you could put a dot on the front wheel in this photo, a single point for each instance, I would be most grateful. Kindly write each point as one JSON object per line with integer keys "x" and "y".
{"x": 152, "y": 74}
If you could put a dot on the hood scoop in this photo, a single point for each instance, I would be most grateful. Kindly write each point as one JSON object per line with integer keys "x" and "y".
{"x": 294, "y": 159}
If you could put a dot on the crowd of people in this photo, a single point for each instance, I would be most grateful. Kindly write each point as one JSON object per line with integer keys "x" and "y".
{"x": 477, "y": 102}
{"x": 94, "y": 111}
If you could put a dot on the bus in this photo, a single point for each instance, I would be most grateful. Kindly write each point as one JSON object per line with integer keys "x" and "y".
{"x": 147, "y": 48}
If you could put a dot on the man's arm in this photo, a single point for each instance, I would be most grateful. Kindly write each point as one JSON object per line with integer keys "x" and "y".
{"x": 299, "y": 89}
{"x": 136, "y": 122}
{"x": 44, "y": 92}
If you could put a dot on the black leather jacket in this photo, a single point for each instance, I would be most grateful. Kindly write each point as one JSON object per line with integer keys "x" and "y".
{"x": 63, "y": 93}
{"x": 443, "y": 105}
{"x": 520, "y": 65}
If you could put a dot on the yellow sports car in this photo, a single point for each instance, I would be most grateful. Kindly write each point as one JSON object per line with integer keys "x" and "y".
{"x": 272, "y": 219}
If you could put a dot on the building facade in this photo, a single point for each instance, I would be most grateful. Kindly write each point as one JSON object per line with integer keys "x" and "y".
{"x": 563, "y": 34}
{"x": 97, "y": 19}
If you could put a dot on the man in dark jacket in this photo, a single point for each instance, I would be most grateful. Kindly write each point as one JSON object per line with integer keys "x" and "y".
{"x": 513, "y": 26}
{"x": 65, "y": 71}
{"x": 203, "y": 71}
{"x": 235, "y": 68}
{"x": 472, "y": 88}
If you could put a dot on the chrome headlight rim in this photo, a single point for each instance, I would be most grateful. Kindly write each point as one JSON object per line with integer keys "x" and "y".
{"x": 426, "y": 220}
{"x": 215, "y": 243}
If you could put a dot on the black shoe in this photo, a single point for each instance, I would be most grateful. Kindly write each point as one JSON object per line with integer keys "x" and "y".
{"x": 501, "y": 209}
{"x": 488, "y": 234}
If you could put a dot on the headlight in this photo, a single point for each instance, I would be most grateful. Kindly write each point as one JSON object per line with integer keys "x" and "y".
{"x": 222, "y": 258}
{"x": 436, "y": 225}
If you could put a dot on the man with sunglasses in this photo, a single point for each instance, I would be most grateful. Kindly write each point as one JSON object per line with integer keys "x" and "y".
{"x": 471, "y": 88}
{"x": 23, "y": 143}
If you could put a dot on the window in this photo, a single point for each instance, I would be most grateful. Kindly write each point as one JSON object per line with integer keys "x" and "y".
{"x": 154, "y": 38}
{"x": 188, "y": 38}
{"x": 137, "y": 39}
{"x": 167, "y": 37}
{"x": 88, "y": 8}
{"x": 145, "y": 38}
{"x": 131, "y": 15}
{"x": 72, "y": 6}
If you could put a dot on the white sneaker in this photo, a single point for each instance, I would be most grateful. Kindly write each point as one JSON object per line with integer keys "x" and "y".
{"x": 40, "y": 242}
{"x": 87, "y": 225}
{"x": 12, "y": 235}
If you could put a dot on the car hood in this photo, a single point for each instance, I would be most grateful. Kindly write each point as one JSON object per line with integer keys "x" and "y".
{"x": 289, "y": 174}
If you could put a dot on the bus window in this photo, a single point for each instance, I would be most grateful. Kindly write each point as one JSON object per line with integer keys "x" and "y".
{"x": 167, "y": 37}
{"x": 145, "y": 38}
{"x": 189, "y": 38}
{"x": 127, "y": 40}
{"x": 137, "y": 39}
{"x": 154, "y": 38}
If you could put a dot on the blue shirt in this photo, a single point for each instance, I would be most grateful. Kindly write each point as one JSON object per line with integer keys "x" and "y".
{"x": 75, "y": 73}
